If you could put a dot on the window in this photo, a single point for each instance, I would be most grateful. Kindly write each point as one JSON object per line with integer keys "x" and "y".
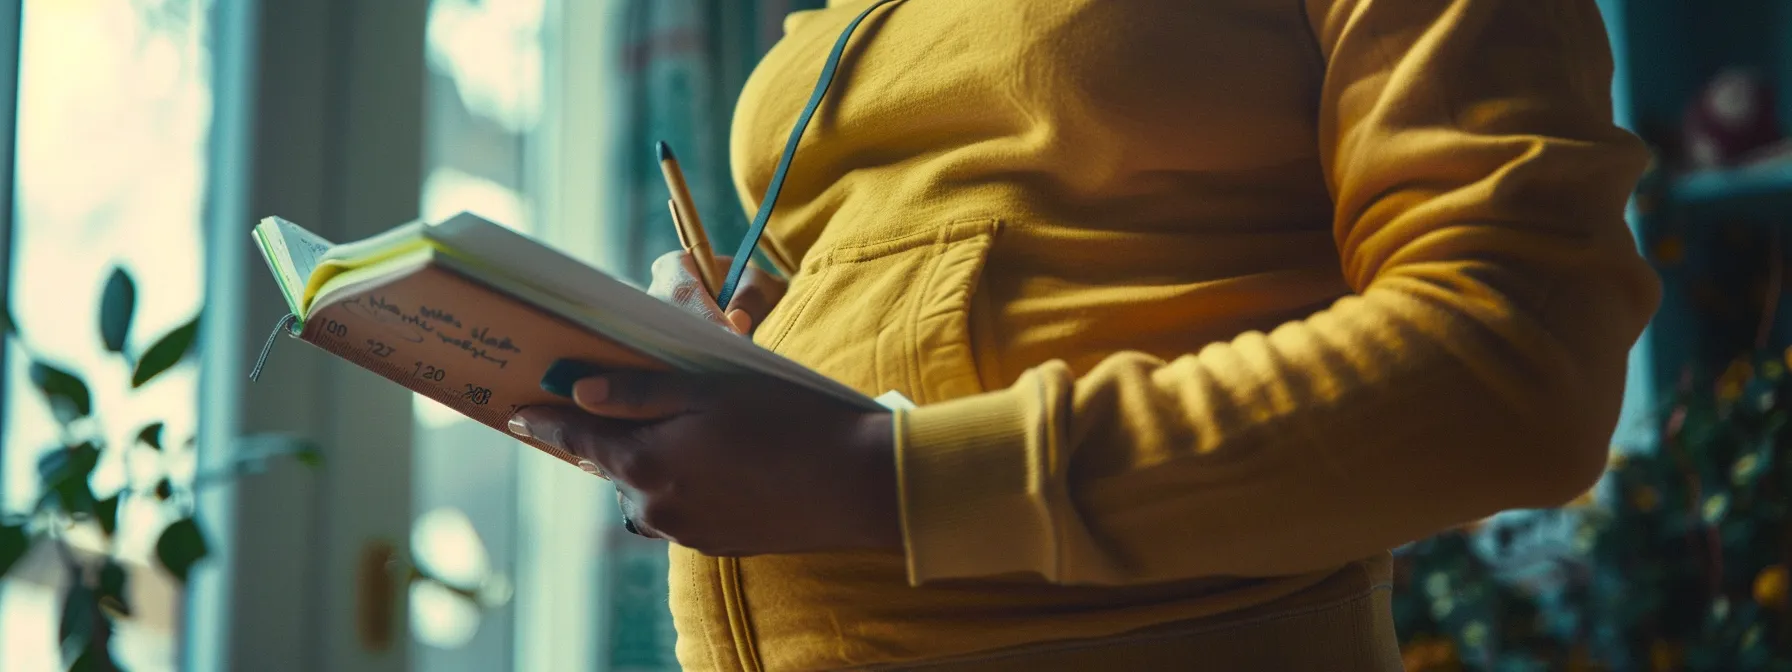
{"x": 113, "y": 119}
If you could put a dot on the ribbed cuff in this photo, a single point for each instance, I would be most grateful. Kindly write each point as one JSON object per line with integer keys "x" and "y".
{"x": 970, "y": 506}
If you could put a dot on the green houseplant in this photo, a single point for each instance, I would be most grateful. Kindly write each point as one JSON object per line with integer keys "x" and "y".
{"x": 68, "y": 510}
{"x": 1679, "y": 563}
{"x": 82, "y": 526}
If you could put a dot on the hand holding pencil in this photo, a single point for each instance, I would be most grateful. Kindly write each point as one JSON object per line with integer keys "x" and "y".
{"x": 690, "y": 227}
{"x": 692, "y": 279}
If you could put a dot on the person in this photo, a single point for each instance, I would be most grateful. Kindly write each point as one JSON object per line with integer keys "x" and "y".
{"x": 1203, "y": 306}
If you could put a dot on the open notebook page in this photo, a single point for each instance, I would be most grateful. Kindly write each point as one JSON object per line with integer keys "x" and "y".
{"x": 293, "y": 252}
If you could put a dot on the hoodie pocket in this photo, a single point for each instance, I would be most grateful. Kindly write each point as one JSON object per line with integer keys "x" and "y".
{"x": 892, "y": 313}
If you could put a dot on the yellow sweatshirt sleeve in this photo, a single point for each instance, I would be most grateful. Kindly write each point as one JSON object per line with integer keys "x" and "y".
{"x": 1478, "y": 365}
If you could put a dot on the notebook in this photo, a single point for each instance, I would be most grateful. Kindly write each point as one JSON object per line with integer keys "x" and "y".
{"x": 471, "y": 314}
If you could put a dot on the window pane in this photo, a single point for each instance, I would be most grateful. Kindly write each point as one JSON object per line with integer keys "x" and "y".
{"x": 114, "y": 112}
{"x": 483, "y": 100}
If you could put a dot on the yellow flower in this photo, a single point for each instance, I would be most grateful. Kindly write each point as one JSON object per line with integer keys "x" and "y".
{"x": 1771, "y": 587}
{"x": 1734, "y": 379}
{"x": 1715, "y": 508}
{"x": 1744, "y": 468}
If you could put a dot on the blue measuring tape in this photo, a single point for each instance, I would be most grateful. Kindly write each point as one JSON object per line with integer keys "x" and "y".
{"x": 757, "y": 230}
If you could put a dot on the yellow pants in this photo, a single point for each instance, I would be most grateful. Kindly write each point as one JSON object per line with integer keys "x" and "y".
{"x": 1351, "y": 632}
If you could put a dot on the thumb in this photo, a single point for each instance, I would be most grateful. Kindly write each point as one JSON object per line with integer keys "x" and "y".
{"x": 753, "y": 299}
{"x": 740, "y": 321}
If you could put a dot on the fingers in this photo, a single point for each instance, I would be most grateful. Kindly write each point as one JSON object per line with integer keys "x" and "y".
{"x": 601, "y": 440}
{"x": 631, "y": 517}
{"x": 675, "y": 280}
{"x": 620, "y": 393}
{"x": 740, "y": 321}
{"x": 637, "y": 395}
{"x": 757, "y": 294}
{"x": 669, "y": 270}
{"x": 614, "y": 445}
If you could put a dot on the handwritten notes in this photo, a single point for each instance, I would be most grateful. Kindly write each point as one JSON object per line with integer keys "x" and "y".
{"x": 473, "y": 349}
{"x": 423, "y": 324}
{"x": 438, "y": 315}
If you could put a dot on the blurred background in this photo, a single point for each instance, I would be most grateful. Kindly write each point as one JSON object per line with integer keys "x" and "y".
{"x": 160, "y": 511}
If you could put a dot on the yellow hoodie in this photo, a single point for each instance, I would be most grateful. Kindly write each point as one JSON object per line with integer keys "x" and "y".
{"x": 1206, "y": 305}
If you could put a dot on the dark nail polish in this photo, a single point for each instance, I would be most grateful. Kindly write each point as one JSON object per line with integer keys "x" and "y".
{"x": 564, "y": 373}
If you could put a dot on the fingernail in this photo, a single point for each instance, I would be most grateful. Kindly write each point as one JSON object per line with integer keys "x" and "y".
{"x": 565, "y": 373}
{"x": 591, "y": 468}
{"x": 591, "y": 391}
{"x": 740, "y": 320}
{"x": 520, "y": 427}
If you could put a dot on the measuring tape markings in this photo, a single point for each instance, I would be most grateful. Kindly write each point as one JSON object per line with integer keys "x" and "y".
{"x": 473, "y": 400}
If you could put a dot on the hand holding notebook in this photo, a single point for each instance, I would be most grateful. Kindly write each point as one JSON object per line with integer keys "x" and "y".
{"x": 472, "y": 315}
{"x": 760, "y": 467}
{"x": 735, "y": 466}
{"x": 777, "y": 457}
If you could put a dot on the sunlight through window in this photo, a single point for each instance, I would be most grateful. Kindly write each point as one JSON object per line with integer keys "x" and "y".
{"x": 114, "y": 113}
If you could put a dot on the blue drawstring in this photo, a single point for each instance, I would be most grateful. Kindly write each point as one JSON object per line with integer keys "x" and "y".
{"x": 757, "y": 230}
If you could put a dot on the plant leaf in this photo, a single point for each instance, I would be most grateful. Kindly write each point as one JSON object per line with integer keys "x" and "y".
{"x": 51, "y": 464}
{"x": 94, "y": 660}
{"x": 80, "y": 608}
{"x": 310, "y": 457}
{"x": 64, "y": 473}
{"x": 64, "y": 463}
{"x": 76, "y": 498}
{"x": 66, "y": 393}
{"x": 112, "y": 589}
{"x": 181, "y": 545}
{"x": 117, "y": 305}
{"x": 13, "y": 545}
{"x": 166, "y": 352}
{"x": 151, "y": 435}
{"x": 106, "y": 512}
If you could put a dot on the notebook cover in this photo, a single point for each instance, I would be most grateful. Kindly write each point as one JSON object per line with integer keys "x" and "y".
{"x": 460, "y": 342}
